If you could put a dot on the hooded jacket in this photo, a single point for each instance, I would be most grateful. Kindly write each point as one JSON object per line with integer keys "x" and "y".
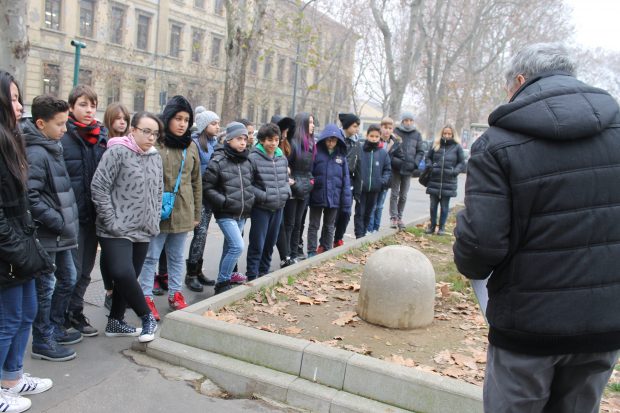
{"x": 271, "y": 187}
{"x": 227, "y": 184}
{"x": 52, "y": 202}
{"x": 542, "y": 212}
{"x": 372, "y": 170}
{"x": 127, "y": 191}
{"x": 300, "y": 163}
{"x": 407, "y": 153}
{"x": 448, "y": 162}
{"x": 332, "y": 187}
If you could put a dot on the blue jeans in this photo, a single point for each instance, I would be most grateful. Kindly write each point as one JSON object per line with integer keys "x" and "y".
{"x": 175, "y": 247}
{"x": 233, "y": 246}
{"x": 18, "y": 307}
{"x": 445, "y": 208}
{"x": 263, "y": 236}
{"x": 53, "y": 294}
{"x": 375, "y": 217}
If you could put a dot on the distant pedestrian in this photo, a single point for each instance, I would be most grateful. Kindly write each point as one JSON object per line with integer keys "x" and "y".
{"x": 447, "y": 160}
{"x": 388, "y": 139}
{"x": 540, "y": 217}
{"x": 127, "y": 191}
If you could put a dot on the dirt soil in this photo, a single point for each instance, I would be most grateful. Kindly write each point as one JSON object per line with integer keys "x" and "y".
{"x": 320, "y": 305}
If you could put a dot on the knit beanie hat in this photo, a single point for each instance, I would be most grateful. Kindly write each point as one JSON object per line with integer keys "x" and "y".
{"x": 203, "y": 118}
{"x": 348, "y": 119}
{"x": 234, "y": 130}
{"x": 406, "y": 115}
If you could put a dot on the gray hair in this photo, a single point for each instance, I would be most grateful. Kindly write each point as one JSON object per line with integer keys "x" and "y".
{"x": 538, "y": 58}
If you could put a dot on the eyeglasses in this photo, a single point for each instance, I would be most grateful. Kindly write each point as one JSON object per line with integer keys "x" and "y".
{"x": 148, "y": 132}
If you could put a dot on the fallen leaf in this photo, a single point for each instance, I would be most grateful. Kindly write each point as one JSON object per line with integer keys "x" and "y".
{"x": 445, "y": 291}
{"x": 356, "y": 287}
{"x": 401, "y": 360}
{"x": 270, "y": 298}
{"x": 345, "y": 318}
{"x": 319, "y": 298}
{"x": 302, "y": 299}
{"x": 453, "y": 371}
{"x": 209, "y": 314}
{"x": 292, "y": 330}
{"x": 352, "y": 260}
{"x": 340, "y": 338}
{"x": 269, "y": 328}
{"x": 443, "y": 357}
{"x": 361, "y": 350}
{"x": 463, "y": 360}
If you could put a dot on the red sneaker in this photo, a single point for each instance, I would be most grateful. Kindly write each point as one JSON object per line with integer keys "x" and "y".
{"x": 320, "y": 250}
{"x": 238, "y": 278}
{"x": 177, "y": 302}
{"x": 338, "y": 243}
{"x": 151, "y": 304}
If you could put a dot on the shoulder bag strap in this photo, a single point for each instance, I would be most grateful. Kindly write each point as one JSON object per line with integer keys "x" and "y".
{"x": 176, "y": 186}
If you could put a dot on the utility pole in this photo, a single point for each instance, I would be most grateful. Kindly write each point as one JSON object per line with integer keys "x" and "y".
{"x": 76, "y": 66}
{"x": 301, "y": 16}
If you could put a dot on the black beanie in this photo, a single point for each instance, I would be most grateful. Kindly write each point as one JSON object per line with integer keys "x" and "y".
{"x": 348, "y": 119}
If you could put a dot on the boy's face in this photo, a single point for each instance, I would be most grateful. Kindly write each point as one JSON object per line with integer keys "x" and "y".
{"x": 270, "y": 144}
{"x": 407, "y": 123}
{"x": 55, "y": 127}
{"x": 352, "y": 130}
{"x": 179, "y": 123}
{"x": 239, "y": 143}
{"x": 331, "y": 143}
{"x": 84, "y": 110}
{"x": 213, "y": 128}
{"x": 373, "y": 136}
{"x": 251, "y": 130}
{"x": 387, "y": 130}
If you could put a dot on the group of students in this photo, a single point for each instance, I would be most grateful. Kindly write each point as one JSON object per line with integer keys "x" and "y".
{"x": 137, "y": 186}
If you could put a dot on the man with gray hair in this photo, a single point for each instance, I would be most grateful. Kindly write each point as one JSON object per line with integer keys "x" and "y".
{"x": 541, "y": 216}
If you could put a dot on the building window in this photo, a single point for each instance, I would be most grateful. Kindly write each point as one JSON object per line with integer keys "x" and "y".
{"x": 85, "y": 77}
{"x": 251, "y": 112}
{"x": 198, "y": 37}
{"x": 219, "y": 7}
{"x": 280, "y": 69}
{"x": 193, "y": 94}
{"x": 216, "y": 45}
{"x": 87, "y": 17}
{"x": 117, "y": 24}
{"x": 144, "y": 23}
{"x": 52, "y": 14}
{"x": 175, "y": 40}
{"x": 139, "y": 94}
{"x": 172, "y": 89}
{"x": 51, "y": 79}
{"x": 213, "y": 100}
{"x": 278, "y": 108}
{"x": 254, "y": 65}
{"x": 292, "y": 73}
{"x": 268, "y": 66}
{"x": 199, "y": 3}
{"x": 113, "y": 90}
{"x": 264, "y": 114}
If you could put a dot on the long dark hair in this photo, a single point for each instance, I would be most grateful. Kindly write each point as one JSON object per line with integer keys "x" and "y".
{"x": 12, "y": 147}
{"x": 302, "y": 139}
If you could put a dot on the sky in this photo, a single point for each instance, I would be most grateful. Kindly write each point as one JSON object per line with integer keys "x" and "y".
{"x": 596, "y": 23}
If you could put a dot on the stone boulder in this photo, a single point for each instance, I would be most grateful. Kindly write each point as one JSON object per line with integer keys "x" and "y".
{"x": 397, "y": 289}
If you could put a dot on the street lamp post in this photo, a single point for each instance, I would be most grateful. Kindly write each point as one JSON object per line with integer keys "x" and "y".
{"x": 76, "y": 66}
{"x": 294, "y": 105}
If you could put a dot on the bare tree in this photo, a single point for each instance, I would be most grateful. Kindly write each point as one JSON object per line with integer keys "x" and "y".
{"x": 14, "y": 44}
{"x": 244, "y": 26}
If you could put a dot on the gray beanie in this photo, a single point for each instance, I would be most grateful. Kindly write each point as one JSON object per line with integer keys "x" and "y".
{"x": 234, "y": 130}
{"x": 203, "y": 118}
{"x": 406, "y": 115}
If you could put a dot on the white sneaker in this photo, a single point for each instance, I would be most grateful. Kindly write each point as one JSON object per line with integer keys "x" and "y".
{"x": 11, "y": 403}
{"x": 29, "y": 385}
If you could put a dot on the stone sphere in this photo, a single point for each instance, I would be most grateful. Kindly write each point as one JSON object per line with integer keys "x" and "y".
{"x": 397, "y": 288}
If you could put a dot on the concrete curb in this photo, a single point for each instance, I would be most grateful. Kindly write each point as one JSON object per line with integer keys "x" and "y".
{"x": 244, "y": 360}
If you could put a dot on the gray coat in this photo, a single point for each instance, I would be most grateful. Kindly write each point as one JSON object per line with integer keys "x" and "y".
{"x": 127, "y": 190}
{"x": 50, "y": 194}
{"x": 271, "y": 187}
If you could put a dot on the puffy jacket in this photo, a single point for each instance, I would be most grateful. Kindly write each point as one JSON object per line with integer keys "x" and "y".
{"x": 372, "y": 170}
{"x": 448, "y": 162}
{"x": 300, "y": 162}
{"x": 407, "y": 154}
{"x": 22, "y": 256}
{"x": 227, "y": 184}
{"x": 332, "y": 187}
{"x": 542, "y": 212}
{"x": 52, "y": 202}
{"x": 352, "y": 143}
{"x": 81, "y": 159}
{"x": 271, "y": 187}
{"x": 127, "y": 192}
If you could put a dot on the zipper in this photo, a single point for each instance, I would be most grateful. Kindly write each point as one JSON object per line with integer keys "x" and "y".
{"x": 443, "y": 162}
{"x": 372, "y": 155}
{"x": 242, "y": 197}
{"x": 275, "y": 173}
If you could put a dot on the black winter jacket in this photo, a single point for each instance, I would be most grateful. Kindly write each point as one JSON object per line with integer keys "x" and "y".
{"x": 407, "y": 154}
{"x": 22, "y": 256}
{"x": 300, "y": 162}
{"x": 271, "y": 188}
{"x": 448, "y": 162}
{"x": 49, "y": 190}
{"x": 372, "y": 170}
{"x": 227, "y": 184}
{"x": 542, "y": 213}
{"x": 81, "y": 159}
{"x": 352, "y": 143}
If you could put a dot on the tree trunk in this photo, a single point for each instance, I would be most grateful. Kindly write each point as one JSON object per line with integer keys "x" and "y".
{"x": 14, "y": 44}
{"x": 244, "y": 26}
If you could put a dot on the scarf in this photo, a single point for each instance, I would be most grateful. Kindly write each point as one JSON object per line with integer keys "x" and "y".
{"x": 370, "y": 146}
{"x": 178, "y": 142}
{"x": 88, "y": 133}
{"x": 234, "y": 155}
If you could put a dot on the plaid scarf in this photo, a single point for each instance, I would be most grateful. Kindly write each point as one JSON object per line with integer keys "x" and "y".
{"x": 89, "y": 133}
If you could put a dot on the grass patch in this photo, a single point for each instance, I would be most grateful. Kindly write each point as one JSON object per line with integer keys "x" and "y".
{"x": 614, "y": 387}
{"x": 415, "y": 231}
{"x": 347, "y": 270}
{"x": 290, "y": 280}
{"x": 459, "y": 283}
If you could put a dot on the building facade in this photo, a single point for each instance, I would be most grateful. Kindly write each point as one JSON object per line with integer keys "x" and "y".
{"x": 140, "y": 52}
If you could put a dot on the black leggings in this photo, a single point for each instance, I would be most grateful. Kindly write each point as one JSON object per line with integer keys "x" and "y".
{"x": 294, "y": 212}
{"x": 122, "y": 260}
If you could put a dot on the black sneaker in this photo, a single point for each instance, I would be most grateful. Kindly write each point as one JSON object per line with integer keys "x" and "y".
{"x": 81, "y": 324}
{"x": 66, "y": 336}
{"x": 119, "y": 328}
{"x": 51, "y": 351}
{"x": 149, "y": 326}
{"x": 222, "y": 286}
